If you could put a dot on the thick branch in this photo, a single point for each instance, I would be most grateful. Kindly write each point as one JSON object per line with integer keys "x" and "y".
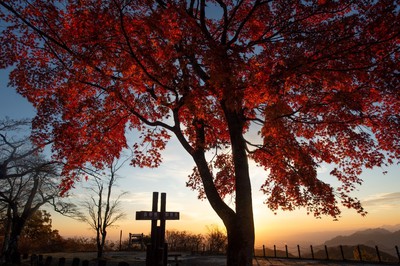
{"x": 220, "y": 207}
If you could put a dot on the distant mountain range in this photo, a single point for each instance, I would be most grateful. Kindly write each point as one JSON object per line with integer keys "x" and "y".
{"x": 383, "y": 238}
{"x": 347, "y": 247}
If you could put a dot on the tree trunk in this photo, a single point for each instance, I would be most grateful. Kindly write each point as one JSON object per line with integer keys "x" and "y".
{"x": 239, "y": 222}
{"x": 241, "y": 228}
{"x": 99, "y": 246}
{"x": 240, "y": 232}
{"x": 239, "y": 225}
{"x": 11, "y": 253}
{"x": 7, "y": 233}
{"x": 240, "y": 243}
{"x": 99, "y": 221}
{"x": 99, "y": 252}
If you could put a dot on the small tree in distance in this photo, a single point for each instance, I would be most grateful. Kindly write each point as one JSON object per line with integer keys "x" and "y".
{"x": 216, "y": 239}
{"x": 183, "y": 241}
{"x": 102, "y": 210}
{"x": 317, "y": 81}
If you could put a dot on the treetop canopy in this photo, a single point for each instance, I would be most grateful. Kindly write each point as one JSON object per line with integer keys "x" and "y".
{"x": 318, "y": 81}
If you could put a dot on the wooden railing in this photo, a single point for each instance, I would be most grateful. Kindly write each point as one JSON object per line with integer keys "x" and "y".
{"x": 342, "y": 252}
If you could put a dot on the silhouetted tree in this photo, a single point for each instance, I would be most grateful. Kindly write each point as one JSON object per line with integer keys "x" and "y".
{"x": 28, "y": 181}
{"x": 102, "y": 210}
{"x": 39, "y": 236}
{"x": 183, "y": 240}
{"x": 216, "y": 239}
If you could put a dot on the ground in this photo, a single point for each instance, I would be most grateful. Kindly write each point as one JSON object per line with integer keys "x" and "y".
{"x": 135, "y": 258}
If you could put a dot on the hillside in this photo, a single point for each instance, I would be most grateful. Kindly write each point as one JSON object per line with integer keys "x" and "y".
{"x": 384, "y": 239}
{"x": 351, "y": 253}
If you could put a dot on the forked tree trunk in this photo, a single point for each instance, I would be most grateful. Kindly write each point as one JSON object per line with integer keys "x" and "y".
{"x": 239, "y": 222}
{"x": 241, "y": 227}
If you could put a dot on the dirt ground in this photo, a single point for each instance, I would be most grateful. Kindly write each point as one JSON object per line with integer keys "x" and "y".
{"x": 135, "y": 258}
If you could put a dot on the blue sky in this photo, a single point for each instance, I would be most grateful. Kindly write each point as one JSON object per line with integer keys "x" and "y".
{"x": 379, "y": 193}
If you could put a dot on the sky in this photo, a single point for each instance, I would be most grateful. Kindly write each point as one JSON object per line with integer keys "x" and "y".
{"x": 380, "y": 195}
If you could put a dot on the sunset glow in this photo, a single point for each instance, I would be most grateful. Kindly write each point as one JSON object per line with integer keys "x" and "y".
{"x": 266, "y": 123}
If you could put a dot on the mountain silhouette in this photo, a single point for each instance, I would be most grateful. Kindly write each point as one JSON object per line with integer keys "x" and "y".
{"x": 384, "y": 239}
{"x": 344, "y": 252}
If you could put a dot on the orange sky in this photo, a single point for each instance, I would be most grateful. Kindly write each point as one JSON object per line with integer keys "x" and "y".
{"x": 285, "y": 227}
{"x": 380, "y": 195}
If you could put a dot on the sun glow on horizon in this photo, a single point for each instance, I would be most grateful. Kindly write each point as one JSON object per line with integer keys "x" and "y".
{"x": 284, "y": 227}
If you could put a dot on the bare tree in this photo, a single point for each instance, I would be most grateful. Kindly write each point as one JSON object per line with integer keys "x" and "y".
{"x": 13, "y": 148}
{"x": 183, "y": 241}
{"x": 216, "y": 239}
{"x": 28, "y": 181}
{"x": 102, "y": 210}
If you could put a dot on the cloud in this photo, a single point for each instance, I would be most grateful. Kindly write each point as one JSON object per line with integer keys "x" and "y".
{"x": 383, "y": 199}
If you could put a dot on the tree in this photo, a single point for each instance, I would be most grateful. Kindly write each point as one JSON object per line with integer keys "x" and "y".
{"x": 102, "y": 210}
{"x": 39, "y": 236}
{"x": 288, "y": 84}
{"x": 183, "y": 241}
{"x": 11, "y": 152}
{"x": 28, "y": 182}
{"x": 216, "y": 239}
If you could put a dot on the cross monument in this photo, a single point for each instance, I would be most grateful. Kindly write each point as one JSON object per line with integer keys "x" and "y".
{"x": 157, "y": 251}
